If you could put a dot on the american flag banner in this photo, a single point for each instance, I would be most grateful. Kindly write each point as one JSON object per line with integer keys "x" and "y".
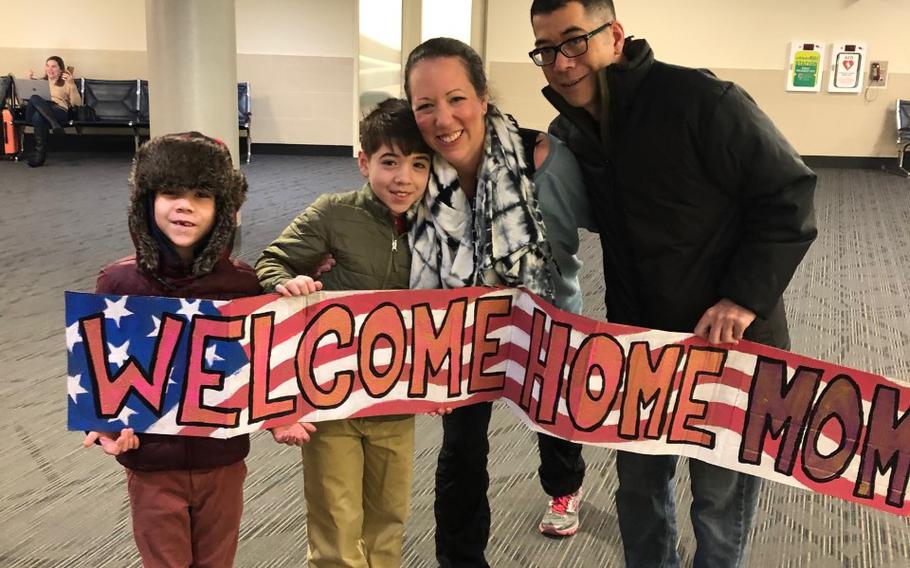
{"x": 224, "y": 368}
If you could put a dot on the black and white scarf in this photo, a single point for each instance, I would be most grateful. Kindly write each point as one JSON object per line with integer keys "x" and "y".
{"x": 500, "y": 239}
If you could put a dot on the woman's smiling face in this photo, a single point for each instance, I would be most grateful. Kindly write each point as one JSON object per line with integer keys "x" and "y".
{"x": 449, "y": 111}
{"x": 52, "y": 69}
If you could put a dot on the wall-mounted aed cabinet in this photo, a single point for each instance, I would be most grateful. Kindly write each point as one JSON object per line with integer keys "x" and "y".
{"x": 847, "y": 74}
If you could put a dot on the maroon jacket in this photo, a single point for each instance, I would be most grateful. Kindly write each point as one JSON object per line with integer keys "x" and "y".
{"x": 228, "y": 279}
{"x": 186, "y": 160}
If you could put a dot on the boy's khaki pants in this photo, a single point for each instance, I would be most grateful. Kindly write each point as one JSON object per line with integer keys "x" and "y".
{"x": 357, "y": 485}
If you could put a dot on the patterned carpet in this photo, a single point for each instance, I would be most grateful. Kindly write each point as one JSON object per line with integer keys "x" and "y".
{"x": 63, "y": 506}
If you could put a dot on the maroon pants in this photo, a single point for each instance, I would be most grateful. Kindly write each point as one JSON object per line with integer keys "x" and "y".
{"x": 187, "y": 518}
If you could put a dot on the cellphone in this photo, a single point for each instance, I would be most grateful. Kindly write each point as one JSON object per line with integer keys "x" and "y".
{"x": 70, "y": 69}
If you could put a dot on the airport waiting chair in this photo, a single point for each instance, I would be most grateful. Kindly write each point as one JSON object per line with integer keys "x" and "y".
{"x": 114, "y": 101}
{"x": 124, "y": 105}
{"x": 244, "y": 112}
{"x": 116, "y": 105}
{"x": 903, "y": 134}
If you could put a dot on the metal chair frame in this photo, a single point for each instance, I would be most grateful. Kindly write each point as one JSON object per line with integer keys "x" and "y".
{"x": 244, "y": 120}
{"x": 902, "y": 115}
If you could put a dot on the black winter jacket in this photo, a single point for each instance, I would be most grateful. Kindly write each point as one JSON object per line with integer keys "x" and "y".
{"x": 697, "y": 196}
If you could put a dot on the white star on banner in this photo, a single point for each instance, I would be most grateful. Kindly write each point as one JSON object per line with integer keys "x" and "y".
{"x": 189, "y": 309}
{"x": 124, "y": 415}
{"x": 73, "y": 387}
{"x": 118, "y": 355}
{"x": 170, "y": 378}
{"x": 211, "y": 356}
{"x": 116, "y": 310}
{"x": 157, "y": 323}
{"x": 73, "y": 336}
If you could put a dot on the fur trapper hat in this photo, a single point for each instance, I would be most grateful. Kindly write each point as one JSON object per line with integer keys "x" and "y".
{"x": 188, "y": 160}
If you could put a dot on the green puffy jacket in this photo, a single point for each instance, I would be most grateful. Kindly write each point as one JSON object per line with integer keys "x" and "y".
{"x": 357, "y": 229}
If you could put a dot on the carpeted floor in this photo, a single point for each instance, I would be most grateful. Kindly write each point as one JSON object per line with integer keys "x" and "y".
{"x": 64, "y": 506}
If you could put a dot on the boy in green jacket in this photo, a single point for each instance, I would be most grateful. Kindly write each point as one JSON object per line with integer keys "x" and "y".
{"x": 357, "y": 472}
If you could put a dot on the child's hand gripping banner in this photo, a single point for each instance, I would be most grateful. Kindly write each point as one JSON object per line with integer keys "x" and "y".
{"x": 220, "y": 369}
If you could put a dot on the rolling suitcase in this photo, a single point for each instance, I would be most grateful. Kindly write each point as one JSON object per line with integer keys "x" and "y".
{"x": 10, "y": 136}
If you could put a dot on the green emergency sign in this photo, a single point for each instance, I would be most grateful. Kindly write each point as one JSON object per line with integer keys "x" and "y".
{"x": 806, "y": 67}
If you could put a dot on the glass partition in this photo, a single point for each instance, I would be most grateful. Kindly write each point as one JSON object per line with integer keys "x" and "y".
{"x": 446, "y": 18}
{"x": 379, "y": 62}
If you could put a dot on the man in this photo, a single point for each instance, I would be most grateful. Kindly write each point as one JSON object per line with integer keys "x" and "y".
{"x": 704, "y": 213}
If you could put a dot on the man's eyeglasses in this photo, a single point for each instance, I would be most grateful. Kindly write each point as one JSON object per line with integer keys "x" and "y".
{"x": 572, "y": 47}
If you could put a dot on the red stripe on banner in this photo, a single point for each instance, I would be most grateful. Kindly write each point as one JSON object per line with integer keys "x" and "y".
{"x": 247, "y": 305}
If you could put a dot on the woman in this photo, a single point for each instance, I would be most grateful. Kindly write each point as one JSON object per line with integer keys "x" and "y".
{"x": 46, "y": 115}
{"x": 487, "y": 220}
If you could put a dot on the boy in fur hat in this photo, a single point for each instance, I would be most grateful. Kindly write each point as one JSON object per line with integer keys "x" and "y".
{"x": 357, "y": 472}
{"x": 186, "y": 493}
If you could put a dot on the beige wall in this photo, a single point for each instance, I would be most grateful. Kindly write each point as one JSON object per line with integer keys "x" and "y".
{"x": 311, "y": 28}
{"x": 87, "y": 24}
{"x": 316, "y": 110}
{"x": 298, "y": 56}
{"x": 746, "y": 42}
{"x": 103, "y": 39}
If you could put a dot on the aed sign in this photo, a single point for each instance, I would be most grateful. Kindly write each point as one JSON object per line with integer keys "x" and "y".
{"x": 847, "y": 64}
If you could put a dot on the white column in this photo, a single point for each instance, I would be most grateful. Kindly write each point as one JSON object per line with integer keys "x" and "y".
{"x": 411, "y": 14}
{"x": 479, "y": 29}
{"x": 355, "y": 102}
{"x": 192, "y": 63}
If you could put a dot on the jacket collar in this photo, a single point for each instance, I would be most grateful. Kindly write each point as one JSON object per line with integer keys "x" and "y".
{"x": 625, "y": 77}
{"x": 376, "y": 207}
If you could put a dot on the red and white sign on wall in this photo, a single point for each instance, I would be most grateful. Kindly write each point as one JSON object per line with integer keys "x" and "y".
{"x": 847, "y": 63}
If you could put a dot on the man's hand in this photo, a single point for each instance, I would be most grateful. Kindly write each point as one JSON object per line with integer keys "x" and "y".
{"x": 31, "y": 74}
{"x": 296, "y": 434}
{"x": 724, "y": 322}
{"x": 111, "y": 443}
{"x": 298, "y": 286}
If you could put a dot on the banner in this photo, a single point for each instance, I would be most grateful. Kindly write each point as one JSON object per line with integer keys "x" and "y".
{"x": 215, "y": 368}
